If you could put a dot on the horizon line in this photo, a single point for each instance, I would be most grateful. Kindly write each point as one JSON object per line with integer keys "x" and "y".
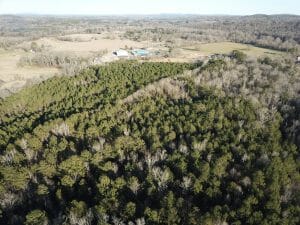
{"x": 142, "y": 14}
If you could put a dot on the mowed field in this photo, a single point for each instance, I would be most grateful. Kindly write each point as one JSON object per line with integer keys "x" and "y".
{"x": 227, "y": 47}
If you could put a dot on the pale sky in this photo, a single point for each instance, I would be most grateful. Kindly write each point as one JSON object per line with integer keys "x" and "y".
{"x": 104, "y": 7}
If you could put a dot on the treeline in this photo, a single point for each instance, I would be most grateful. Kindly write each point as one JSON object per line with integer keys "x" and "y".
{"x": 270, "y": 42}
{"x": 113, "y": 146}
{"x": 274, "y": 32}
{"x": 69, "y": 64}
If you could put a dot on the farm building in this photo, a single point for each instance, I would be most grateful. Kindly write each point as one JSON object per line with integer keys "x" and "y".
{"x": 298, "y": 59}
{"x": 140, "y": 52}
{"x": 121, "y": 53}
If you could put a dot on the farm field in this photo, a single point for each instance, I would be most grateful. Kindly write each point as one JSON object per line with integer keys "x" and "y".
{"x": 85, "y": 44}
{"x": 202, "y": 51}
{"x": 88, "y": 46}
{"x": 13, "y": 76}
{"x": 227, "y": 47}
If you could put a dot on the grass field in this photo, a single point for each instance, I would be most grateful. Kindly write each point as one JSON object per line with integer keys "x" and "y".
{"x": 227, "y": 47}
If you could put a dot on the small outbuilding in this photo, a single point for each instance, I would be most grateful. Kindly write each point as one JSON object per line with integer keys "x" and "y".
{"x": 298, "y": 59}
{"x": 121, "y": 53}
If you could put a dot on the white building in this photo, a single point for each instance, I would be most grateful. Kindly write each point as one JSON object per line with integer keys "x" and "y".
{"x": 121, "y": 53}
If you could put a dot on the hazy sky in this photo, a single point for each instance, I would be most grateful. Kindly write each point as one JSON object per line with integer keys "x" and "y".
{"x": 236, "y": 7}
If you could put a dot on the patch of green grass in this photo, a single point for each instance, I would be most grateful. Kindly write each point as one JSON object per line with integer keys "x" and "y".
{"x": 227, "y": 47}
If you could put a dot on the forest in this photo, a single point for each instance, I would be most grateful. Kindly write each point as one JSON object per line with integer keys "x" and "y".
{"x": 135, "y": 143}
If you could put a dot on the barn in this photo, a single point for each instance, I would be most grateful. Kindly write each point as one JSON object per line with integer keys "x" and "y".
{"x": 140, "y": 52}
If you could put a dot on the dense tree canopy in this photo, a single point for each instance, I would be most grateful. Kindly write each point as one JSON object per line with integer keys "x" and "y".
{"x": 133, "y": 143}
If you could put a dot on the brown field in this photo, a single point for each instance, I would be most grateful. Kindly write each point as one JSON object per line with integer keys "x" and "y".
{"x": 89, "y": 43}
{"x": 13, "y": 77}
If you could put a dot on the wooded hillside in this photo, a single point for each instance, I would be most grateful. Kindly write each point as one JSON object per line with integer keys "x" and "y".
{"x": 154, "y": 143}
